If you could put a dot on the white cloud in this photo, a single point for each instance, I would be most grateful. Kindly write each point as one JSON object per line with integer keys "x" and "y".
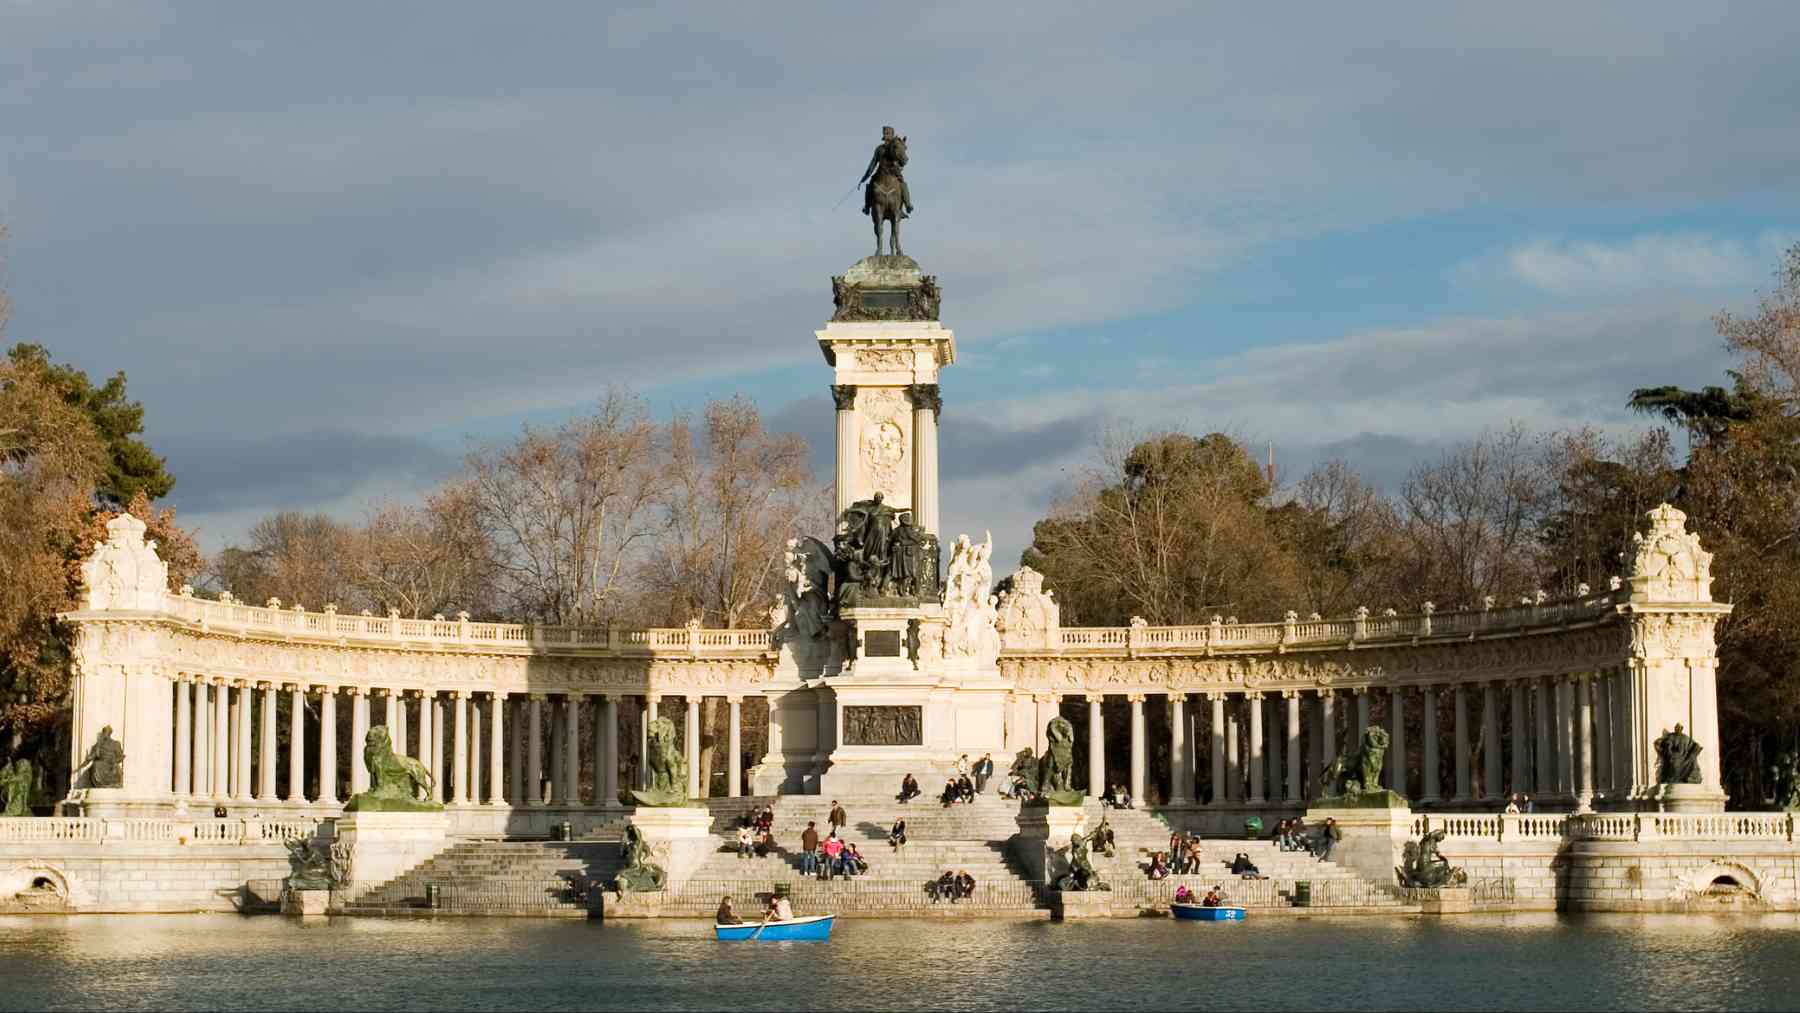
{"x": 1648, "y": 262}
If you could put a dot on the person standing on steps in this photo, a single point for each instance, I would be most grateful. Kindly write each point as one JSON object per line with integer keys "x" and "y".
{"x": 1329, "y": 835}
{"x": 984, "y": 769}
{"x": 838, "y": 817}
{"x": 809, "y": 850}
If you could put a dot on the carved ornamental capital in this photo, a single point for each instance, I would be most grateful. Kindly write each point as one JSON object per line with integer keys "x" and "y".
{"x": 926, "y": 395}
{"x": 844, "y": 395}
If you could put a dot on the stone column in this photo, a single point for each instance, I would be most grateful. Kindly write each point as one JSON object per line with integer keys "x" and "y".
{"x": 1096, "y": 747}
{"x": 359, "y": 731}
{"x": 1396, "y": 756}
{"x": 650, "y": 705}
{"x": 691, "y": 742}
{"x": 1433, "y": 783}
{"x": 1460, "y": 710}
{"x": 1272, "y": 742}
{"x": 927, "y": 401}
{"x": 1521, "y": 741}
{"x": 241, "y": 783}
{"x": 1234, "y": 762}
{"x": 422, "y": 740}
{"x": 1293, "y": 745}
{"x": 556, "y": 770}
{"x": 1137, "y": 747}
{"x": 438, "y": 734}
{"x": 202, "y": 765}
{"x": 390, "y": 719}
{"x": 221, "y": 741}
{"x": 459, "y": 752}
{"x": 515, "y": 769}
{"x": 328, "y": 789}
{"x": 1603, "y": 746}
{"x": 571, "y": 791}
{"x": 845, "y": 397}
{"x": 609, "y": 757}
{"x": 1255, "y": 702}
{"x": 266, "y": 752}
{"x": 1216, "y": 731}
{"x": 476, "y": 756}
{"x": 296, "y": 781}
{"x": 1490, "y": 743}
{"x": 1328, "y": 734}
{"x": 1362, "y": 717}
{"x": 1540, "y": 758}
{"x": 497, "y": 749}
{"x": 184, "y": 738}
{"x": 1584, "y": 743}
{"x": 1624, "y": 703}
{"x": 1180, "y": 780}
{"x": 534, "y": 751}
{"x": 1565, "y": 730}
{"x": 734, "y": 764}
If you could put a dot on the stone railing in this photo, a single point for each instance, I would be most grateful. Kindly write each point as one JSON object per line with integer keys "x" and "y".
{"x": 94, "y": 830}
{"x": 1608, "y": 826}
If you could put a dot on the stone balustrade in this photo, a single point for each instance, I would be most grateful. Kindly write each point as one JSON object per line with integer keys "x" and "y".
{"x": 103, "y": 830}
{"x": 1747, "y": 826}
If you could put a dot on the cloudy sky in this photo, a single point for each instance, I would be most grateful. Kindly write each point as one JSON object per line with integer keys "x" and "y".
{"x": 331, "y": 243}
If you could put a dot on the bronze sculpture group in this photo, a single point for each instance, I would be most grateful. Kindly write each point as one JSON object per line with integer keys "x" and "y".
{"x": 396, "y": 783}
{"x": 887, "y": 197}
{"x": 1081, "y": 875}
{"x": 1421, "y": 866}
{"x": 641, "y": 874}
{"x": 666, "y": 767}
{"x": 105, "y": 762}
{"x": 1354, "y": 777}
{"x": 1677, "y": 758}
{"x": 880, "y": 553}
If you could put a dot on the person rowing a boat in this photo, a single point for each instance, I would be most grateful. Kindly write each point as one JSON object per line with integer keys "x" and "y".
{"x": 726, "y": 915}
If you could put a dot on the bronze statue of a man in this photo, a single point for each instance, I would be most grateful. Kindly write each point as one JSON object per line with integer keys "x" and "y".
{"x": 890, "y": 155}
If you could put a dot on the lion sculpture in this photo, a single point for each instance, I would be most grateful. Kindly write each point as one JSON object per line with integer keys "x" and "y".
{"x": 668, "y": 780}
{"x": 1356, "y": 774}
{"x": 397, "y": 783}
{"x": 1056, "y": 771}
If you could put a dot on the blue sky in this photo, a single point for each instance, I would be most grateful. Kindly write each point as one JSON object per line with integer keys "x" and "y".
{"x": 331, "y": 242}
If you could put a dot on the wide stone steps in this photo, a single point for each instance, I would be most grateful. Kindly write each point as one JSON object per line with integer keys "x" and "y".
{"x": 497, "y": 877}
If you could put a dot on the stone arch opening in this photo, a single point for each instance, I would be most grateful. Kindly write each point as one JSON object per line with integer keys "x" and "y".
{"x": 1725, "y": 883}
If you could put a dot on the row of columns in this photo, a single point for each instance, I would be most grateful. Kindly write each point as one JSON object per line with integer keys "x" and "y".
{"x": 216, "y": 753}
{"x": 1566, "y": 746}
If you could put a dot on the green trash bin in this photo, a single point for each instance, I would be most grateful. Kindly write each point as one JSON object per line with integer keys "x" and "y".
{"x": 1253, "y": 827}
{"x": 1303, "y": 893}
{"x": 433, "y": 896}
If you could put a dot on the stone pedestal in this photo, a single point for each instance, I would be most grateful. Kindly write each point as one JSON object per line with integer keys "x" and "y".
{"x": 117, "y": 804}
{"x": 679, "y": 840}
{"x": 1078, "y": 905}
{"x": 1688, "y": 798}
{"x": 1444, "y": 900}
{"x": 1373, "y": 839}
{"x": 1042, "y": 839}
{"x": 305, "y": 903}
{"x": 385, "y": 845}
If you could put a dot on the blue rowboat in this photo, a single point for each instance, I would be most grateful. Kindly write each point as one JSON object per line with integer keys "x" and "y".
{"x": 816, "y": 928}
{"x": 1202, "y": 913}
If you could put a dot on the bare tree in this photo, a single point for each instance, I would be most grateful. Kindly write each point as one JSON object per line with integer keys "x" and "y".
{"x": 428, "y": 558}
{"x": 1470, "y": 519}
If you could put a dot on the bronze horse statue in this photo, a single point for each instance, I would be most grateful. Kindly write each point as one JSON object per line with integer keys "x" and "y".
{"x": 885, "y": 196}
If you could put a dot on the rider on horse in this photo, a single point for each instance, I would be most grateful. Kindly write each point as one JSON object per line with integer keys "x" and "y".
{"x": 891, "y": 155}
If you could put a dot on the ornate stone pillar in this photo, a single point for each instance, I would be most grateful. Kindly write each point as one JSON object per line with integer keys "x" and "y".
{"x": 221, "y": 741}
{"x": 1460, "y": 710}
{"x": 1272, "y": 742}
{"x": 1362, "y": 717}
{"x": 296, "y": 780}
{"x": 202, "y": 765}
{"x": 359, "y": 731}
{"x": 438, "y": 734}
{"x": 328, "y": 783}
{"x": 497, "y": 749}
{"x": 1234, "y": 756}
{"x": 1433, "y": 782}
{"x": 422, "y": 740}
{"x": 1328, "y": 733}
{"x": 1490, "y": 743}
{"x": 609, "y": 757}
{"x": 1293, "y": 745}
{"x": 1255, "y": 703}
{"x": 1396, "y": 755}
{"x": 1541, "y": 759}
{"x": 556, "y": 769}
{"x": 184, "y": 738}
{"x": 1565, "y": 733}
{"x": 459, "y": 750}
{"x": 1137, "y": 747}
{"x": 734, "y": 763}
{"x": 476, "y": 756}
{"x": 1584, "y": 734}
{"x": 571, "y": 794}
{"x": 1216, "y": 731}
{"x": 845, "y": 397}
{"x": 1179, "y": 777}
{"x": 534, "y": 750}
{"x": 1603, "y": 745}
{"x": 266, "y": 752}
{"x": 390, "y": 719}
{"x": 515, "y": 769}
{"x": 650, "y": 704}
{"x": 1521, "y": 740}
{"x": 1096, "y": 786}
{"x": 927, "y": 402}
{"x": 691, "y": 741}
{"x": 241, "y": 783}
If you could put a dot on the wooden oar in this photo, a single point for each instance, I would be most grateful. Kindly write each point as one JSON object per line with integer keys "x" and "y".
{"x": 764, "y": 925}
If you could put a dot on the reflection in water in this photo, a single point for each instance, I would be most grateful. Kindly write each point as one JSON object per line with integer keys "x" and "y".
{"x": 1536, "y": 961}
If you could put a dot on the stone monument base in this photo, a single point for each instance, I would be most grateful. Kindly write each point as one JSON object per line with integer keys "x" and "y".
{"x": 384, "y": 844}
{"x": 1688, "y": 798}
{"x": 1373, "y": 839}
{"x": 118, "y": 804}
{"x": 1080, "y": 905}
{"x": 1444, "y": 900}
{"x": 305, "y": 903}
{"x": 1042, "y": 839}
{"x": 679, "y": 839}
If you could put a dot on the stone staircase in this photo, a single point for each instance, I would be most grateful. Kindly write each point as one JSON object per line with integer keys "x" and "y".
{"x": 501, "y": 877}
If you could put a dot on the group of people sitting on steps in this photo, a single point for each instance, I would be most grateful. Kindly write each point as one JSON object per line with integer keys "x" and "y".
{"x": 831, "y": 855}
{"x": 952, "y": 886}
{"x": 1295, "y": 835}
{"x": 1118, "y": 798}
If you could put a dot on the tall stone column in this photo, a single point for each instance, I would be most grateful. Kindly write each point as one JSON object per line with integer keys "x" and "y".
{"x": 515, "y": 769}
{"x": 296, "y": 780}
{"x": 1433, "y": 782}
{"x": 609, "y": 757}
{"x": 496, "y": 749}
{"x": 1096, "y": 747}
{"x": 1603, "y": 745}
{"x": 1179, "y": 777}
{"x": 927, "y": 402}
{"x": 328, "y": 783}
{"x": 438, "y": 734}
{"x": 1255, "y": 703}
{"x": 1584, "y": 742}
{"x": 1362, "y": 717}
{"x": 1234, "y": 762}
{"x": 1624, "y": 707}
{"x": 1460, "y": 709}
{"x": 845, "y": 397}
{"x": 477, "y": 757}
{"x": 266, "y": 751}
{"x": 534, "y": 750}
{"x": 572, "y": 750}
{"x": 1293, "y": 745}
{"x": 1328, "y": 733}
{"x": 650, "y": 704}
{"x": 202, "y": 765}
{"x": 1541, "y": 759}
{"x": 390, "y": 718}
{"x": 1521, "y": 740}
{"x": 459, "y": 754}
{"x": 241, "y": 784}
{"x": 1272, "y": 743}
{"x": 221, "y": 741}
{"x": 359, "y": 732}
{"x": 1396, "y": 756}
{"x": 734, "y": 763}
{"x": 1490, "y": 743}
{"x": 422, "y": 741}
{"x": 1216, "y": 731}
{"x": 184, "y": 738}
{"x": 1565, "y": 736}
{"x": 691, "y": 740}
{"x": 1137, "y": 747}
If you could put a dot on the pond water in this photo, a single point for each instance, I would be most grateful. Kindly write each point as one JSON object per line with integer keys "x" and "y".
{"x": 1470, "y": 963}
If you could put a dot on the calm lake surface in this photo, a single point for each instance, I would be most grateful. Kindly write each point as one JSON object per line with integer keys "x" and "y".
{"x": 1479, "y": 962}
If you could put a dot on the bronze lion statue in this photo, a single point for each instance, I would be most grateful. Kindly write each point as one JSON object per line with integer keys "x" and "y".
{"x": 396, "y": 783}
{"x": 666, "y": 766}
{"x": 1356, "y": 773}
{"x": 1056, "y": 771}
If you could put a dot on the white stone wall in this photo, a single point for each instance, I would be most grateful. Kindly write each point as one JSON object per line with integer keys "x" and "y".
{"x": 142, "y": 877}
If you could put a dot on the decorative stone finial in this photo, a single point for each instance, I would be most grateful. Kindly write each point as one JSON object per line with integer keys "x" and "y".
{"x": 1389, "y": 613}
{"x": 1668, "y": 564}
{"x": 1428, "y": 608}
{"x": 462, "y": 616}
{"x": 226, "y": 597}
{"x": 124, "y": 571}
{"x": 187, "y": 590}
{"x": 1581, "y": 590}
{"x": 1614, "y": 582}
{"x": 1362, "y": 611}
{"x": 1487, "y": 603}
{"x": 272, "y": 603}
